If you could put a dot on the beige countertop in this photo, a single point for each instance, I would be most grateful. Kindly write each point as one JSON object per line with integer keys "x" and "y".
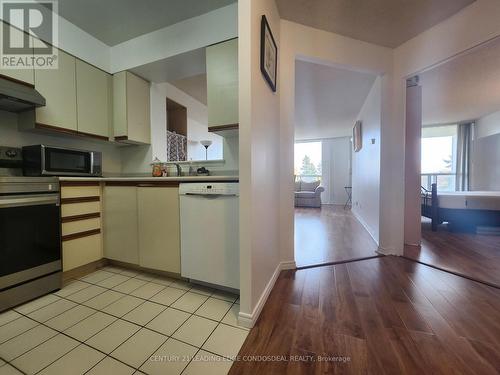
{"x": 150, "y": 179}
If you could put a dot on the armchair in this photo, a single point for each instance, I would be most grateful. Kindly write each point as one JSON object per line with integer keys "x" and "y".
{"x": 308, "y": 194}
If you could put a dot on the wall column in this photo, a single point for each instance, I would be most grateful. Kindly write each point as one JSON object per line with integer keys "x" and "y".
{"x": 413, "y": 227}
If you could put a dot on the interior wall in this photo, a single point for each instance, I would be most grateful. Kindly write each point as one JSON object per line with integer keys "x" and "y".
{"x": 486, "y": 153}
{"x": 485, "y": 163}
{"x": 209, "y": 28}
{"x": 188, "y": 35}
{"x": 488, "y": 125}
{"x": 366, "y": 164}
{"x": 336, "y": 165}
{"x": 298, "y": 41}
{"x": 137, "y": 159}
{"x": 474, "y": 25}
{"x": 259, "y": 160}
{"x": 75, "y": 41}
{"x": 197, "y": 123}
{"x": 11, "y": 136}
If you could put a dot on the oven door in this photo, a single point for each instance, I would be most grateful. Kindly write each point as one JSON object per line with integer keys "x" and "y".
{"x": 30, "y": 237}
{"x": 66, "y": 162}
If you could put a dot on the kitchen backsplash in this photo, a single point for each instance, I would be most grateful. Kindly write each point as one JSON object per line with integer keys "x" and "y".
{"x": 117, "y": 159}
{"x": 11, "y": 136}
{"x": 137, "y": 159}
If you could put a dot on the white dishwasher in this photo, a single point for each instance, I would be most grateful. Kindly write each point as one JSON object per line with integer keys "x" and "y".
{"x": 210, "y": 249}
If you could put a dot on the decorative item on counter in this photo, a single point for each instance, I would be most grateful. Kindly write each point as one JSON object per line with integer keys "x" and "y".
{"x": 206, "y": 144}
{"x": 157, "y": 168}
{"x": 202, "y": 171}
{"x": 164, "y": 169}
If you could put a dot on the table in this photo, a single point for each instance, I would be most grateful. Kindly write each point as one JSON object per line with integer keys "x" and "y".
{"x": 348, "y": 190}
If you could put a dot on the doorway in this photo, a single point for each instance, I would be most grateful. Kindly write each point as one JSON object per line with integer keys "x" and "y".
{"x": 336, "y": 211}
{"x": 452, "y": 212}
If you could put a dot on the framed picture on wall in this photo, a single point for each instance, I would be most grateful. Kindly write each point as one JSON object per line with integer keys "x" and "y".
{"x": 268, "y": 54}
{"x": 357, "y": 139}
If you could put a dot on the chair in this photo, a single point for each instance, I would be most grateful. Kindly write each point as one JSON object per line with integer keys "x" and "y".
{"x": 308, "y": 194}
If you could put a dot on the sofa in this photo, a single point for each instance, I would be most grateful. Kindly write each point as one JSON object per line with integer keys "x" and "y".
{"x": 308, "y": 194}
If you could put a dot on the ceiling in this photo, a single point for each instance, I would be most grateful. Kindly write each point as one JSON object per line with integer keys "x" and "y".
{"x": 186, "y": 71}
{"x": 116, "y": 21}
{"x": 174, "y": 68}
{"x": 466, "y": 88}
{"x": 328, "y": 100}
{"x": 385, "y": 22}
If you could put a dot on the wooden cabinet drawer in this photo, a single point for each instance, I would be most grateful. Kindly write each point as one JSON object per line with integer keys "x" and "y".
{"x": 80, "y": 191}
{"x": 81, "y": 251}
{"x": 80, "y": 208}
{"x": 80, "y": 226}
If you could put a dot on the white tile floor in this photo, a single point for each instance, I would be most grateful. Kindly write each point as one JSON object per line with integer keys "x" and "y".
{"x": 117, "y": 321}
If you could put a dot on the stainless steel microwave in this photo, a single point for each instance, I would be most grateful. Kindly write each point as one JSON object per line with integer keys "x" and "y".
{"x": 41, "y": 160}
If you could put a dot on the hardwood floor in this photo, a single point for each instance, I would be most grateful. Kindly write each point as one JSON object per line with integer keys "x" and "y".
{"x": 387, "y": 315}
{"x": 471, "y": 255}
{"x": 330, "y": 234}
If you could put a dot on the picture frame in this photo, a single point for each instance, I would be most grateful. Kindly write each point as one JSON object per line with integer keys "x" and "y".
{"x": 357, "y": 136}
{"x": 268, "y": 54}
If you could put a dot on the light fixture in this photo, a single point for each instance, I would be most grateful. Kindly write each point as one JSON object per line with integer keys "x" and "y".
{"x": 206, "y": 144}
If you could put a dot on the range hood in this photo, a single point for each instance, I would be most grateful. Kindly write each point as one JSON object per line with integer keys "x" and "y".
{"x": 18, "y": 97}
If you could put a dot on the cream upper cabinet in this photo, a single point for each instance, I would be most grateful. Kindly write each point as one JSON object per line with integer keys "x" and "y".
{"x": 94, "y": 102}
{"x": 131, "y": 108}
{"x": 159, "y": 228}
{"x": 23, "y": 75}
{"x": 222, "y": 83}
{"x": 58, "y": 86}
{"x": 120, "y": 224}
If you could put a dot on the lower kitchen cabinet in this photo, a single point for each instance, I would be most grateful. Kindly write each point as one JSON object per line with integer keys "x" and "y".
{"x": 120, "y": 224}
{"x": 81, "y": 251}
{"x": 142, "y": 226}
{"x": 81, "y": 224}
{"x": 159, "y": 228}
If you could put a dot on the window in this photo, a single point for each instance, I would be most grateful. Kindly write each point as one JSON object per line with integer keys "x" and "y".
{"x": 439, "y": 157}
{"x": 308, "y": 161}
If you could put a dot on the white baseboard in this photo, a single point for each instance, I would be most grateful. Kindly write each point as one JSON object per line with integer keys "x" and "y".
{"x": 383, "y": 251}
{"x": 388, "y": 251}
{"x": 248, "y": 320}
{"x": 288, "y": 265}
{"x": 366, "y": 226}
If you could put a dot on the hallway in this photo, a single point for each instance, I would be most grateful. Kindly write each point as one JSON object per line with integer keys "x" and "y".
{"x": 330, "y": 234}
{"x": 379, "y": 316}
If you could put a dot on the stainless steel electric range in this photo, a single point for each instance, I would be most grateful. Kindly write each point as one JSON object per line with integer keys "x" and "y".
{"x": 30, "y": 234}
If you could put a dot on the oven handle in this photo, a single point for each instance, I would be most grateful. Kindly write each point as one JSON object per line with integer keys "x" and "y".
{"x": 29, "y": 200}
